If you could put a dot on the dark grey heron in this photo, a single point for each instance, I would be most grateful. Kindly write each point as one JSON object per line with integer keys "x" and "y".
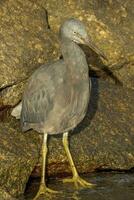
{"x": 57, "y": 95}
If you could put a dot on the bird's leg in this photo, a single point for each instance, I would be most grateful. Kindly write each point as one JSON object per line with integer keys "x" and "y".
{"x": 43, "y": 189}
{"x": 76, "y": 179}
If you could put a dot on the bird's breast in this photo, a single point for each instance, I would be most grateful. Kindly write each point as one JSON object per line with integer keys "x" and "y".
{"x": 71, "y": 105}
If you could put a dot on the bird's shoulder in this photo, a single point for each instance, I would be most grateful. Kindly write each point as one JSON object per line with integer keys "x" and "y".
{"x": 45, "y": 78}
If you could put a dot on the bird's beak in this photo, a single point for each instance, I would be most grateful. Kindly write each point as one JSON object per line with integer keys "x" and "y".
{"x": 92, "y": 46}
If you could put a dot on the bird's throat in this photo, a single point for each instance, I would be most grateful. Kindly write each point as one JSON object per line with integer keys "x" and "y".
{"x": 74, "y": 58}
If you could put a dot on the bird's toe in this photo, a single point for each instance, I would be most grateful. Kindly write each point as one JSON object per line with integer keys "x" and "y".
{"x": 79, "y": 182}
{"x": 44, "y": 190}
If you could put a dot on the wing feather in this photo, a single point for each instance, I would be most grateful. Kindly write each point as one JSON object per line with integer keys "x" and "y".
{"x": 37, "y": 101}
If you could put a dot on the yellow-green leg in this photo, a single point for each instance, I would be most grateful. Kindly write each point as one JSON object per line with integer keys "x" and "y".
{"x": 43, "y": 189}
{"x": 76, "y": 179}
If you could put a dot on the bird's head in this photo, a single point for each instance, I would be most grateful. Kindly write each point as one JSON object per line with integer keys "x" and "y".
{"x": 75, "y": 30}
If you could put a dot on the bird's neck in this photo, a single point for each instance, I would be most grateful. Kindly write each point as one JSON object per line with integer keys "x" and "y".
{"x": 74, "y": 57}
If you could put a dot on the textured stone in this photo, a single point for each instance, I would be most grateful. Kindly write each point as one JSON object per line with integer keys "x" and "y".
{"x": 4, "y": 195}
{"x": 16, "y": 158}
{"x": 25, "y": 43}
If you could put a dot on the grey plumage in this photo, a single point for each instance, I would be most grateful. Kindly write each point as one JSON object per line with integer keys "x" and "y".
{"x": 57, "y": 94}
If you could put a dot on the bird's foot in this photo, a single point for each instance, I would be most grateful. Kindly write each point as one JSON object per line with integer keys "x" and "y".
{"x": 43, "y": 189}
{"x": 79, "y": 182}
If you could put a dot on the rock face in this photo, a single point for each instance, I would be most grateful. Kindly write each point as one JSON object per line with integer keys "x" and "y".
{"x": 4, "y": 195}
{"x": 16, "y": 163}
{"x": 28, "y": 38}
{"x": 25, "y": 43}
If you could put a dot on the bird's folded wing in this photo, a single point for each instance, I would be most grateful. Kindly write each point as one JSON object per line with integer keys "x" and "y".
{"x": 37, "y": 101}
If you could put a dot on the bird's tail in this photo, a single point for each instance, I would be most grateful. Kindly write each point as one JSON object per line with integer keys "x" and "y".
{"x": 16, "y": 112}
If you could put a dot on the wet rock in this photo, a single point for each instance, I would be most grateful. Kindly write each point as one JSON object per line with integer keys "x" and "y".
{"x": 114, "y": 185}
{"x": 103, "y": 140}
